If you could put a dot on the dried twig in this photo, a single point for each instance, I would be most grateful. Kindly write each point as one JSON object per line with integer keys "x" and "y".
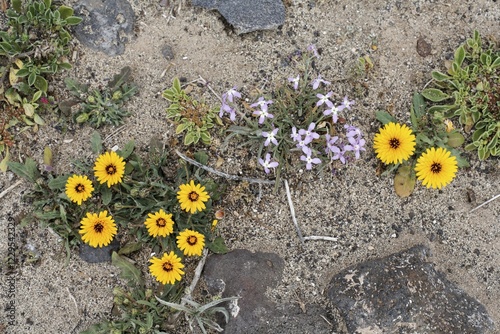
{"x": 227, "y": 176}
{"x": 319, "y": 237}
{"x": 292, "y": 211}
{"x": 6, "y": 191}
{"x": 488, "y": 201}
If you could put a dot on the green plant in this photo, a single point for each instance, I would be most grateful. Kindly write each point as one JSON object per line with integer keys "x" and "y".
{"x": 35, "y": 46}
{"x": 100, "y": 107}
{"x": 191, "y": 116}
{"x": 472, "y": 84}
{"x": 196, "y": 311}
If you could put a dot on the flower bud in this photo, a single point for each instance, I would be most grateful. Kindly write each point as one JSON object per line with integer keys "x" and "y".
{"x": 82, "y": 118}
{"x": 91, "y": 99}
{"x": 117, "y": 95}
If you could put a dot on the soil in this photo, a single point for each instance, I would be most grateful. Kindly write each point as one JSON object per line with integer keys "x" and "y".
{"x": 405, "y": 40}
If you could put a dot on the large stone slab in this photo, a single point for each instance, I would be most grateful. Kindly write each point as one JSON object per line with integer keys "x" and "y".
{"x": 247, "y": 16}
{"x": 248, "y": 275}
{"x": 107, "y": 25}
{"x": 403, "y": 293}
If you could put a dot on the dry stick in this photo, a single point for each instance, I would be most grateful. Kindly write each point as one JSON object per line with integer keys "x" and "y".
{"x": 292, "y": 211}
{"x": 488, "y": 201}
{"x": 316, "y": 237}
{"x": 227, "y": 176}
{"x": 6, "y": 191}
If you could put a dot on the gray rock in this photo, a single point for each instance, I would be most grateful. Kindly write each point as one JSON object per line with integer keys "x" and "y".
{"x": 247, "y": 16}
{"x": 100, "y": 254}
{"x": 403, "y": 293}
{"x": 248, "y": 275}
{"x": 167, "y": 52}
{"x": 107, "y": 25}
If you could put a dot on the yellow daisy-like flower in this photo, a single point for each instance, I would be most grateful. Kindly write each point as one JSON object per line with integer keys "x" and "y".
{"x": 79, "y": 188}
{"x": 191, "y": 242}
{"x": 159, "y": 224}
{"x": 97, "y": 230}
{"x": 109, "y": 168}
{"x": 394, "y": 143}
{"x": 166, "y": 270}
{"x": 436, "y": 167}
{"x": 192, "y": 197}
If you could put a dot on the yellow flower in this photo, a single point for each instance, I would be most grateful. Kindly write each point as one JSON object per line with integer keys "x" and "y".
{"x": 448, "y": 125}
{"x": 79, "y": 188}
{"x": 192, "y": 197}
{"x": 166, "y": 270}
{"x": 436, "y": 167}
{"x": 191, "y": 242}
{"x": 97, "y": 230}
{"x": 214, "y": 224}
{"x": 109, "y": 168}
{"x": 394, "y": 143}
{"x": 159, "y": 224}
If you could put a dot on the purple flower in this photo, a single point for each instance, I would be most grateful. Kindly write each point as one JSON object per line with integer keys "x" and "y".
{"x": 295, "y": 82}
{"x": 310, "y": 135}
{"x": 338, "y": 154}
{"x": 330, "y": 141}
{"x": 225, "y": 108}
{"x": 347, "y": 104}
{"x": 352, "y": 131}
{"x": 232, "y": 93}
{"x": 355, "y": 145}
{"x": 315, "y": 83}
{"x": 261, "y": 103}
{"x": 334, "y": 111}
{"x": 302, "y": 145}
{"x": 324, "y": 99}
{"x": 263, "y": 114}
{"x": 312, "y": 48}
{"x": 308, "y": 159}
{"x": 267, "y": 163}
{"x": 295, "y": 136}
{"x": 270, "y": 137}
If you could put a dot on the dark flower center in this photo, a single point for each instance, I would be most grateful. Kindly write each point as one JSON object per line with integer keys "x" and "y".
{"x": 160, "y": 222}
{"x": 167, "y": 266}
{"x": 191, "y": 240}
{"x": 111, "y": 169}
{"x": 394, "y": 143}
{"x": 193, "y": 196}
{"x": 98, "y": 227}
{"x": 80, "y": 188}
{"x": 436, "y": 167}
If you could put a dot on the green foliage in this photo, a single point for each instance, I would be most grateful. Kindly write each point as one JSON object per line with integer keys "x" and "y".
{"x": 200, "y": 313}
{"x": 470, "y": 91}
{"x": 193, "y": 117}
{"x": 100, "y": 107}
{"x": 35, "y": 46}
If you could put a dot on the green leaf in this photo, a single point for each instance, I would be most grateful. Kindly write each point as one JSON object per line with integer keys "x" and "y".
{"x": 459, "y": 56}
{"x": 106, "y": 195}
{"x": 384, "y": 117}
{"x": 455, "y": 139}
{"x": 127, "y": 150}
{"x": 73, "y": 20}
{"x": 205, "y": 138}
{"x": 120, "y": 78}
{"x": 177, "y": 85}
{"x": 201, "y": 157}
{"x": 130, "y": 248}
{"x": 423, "y": 138}
{"x": 41, "y": 83}
{"x": 58, "y": 183}
{"x": 181, "y": 127}
{"x": 438, "y": 76}
{"x": 434, "y": 94}
{"x": 190, "y": 138}
{"x": 218, "y": 246}
{"x": 496, "y": 63}
{"x": 31, "y": 78}
{"x": 38, "y": 120}
{"x": 27, "y": 171}
{"x": 418, "y": 105}
{"x": 96, "y": 142}
{"x": 129, "y": 271}
{"x": 47, "y": 157}
{"x": 4, "y": 164}
{"x": 404, "y": 181}
{"x": 29, "y": 110}
{"x": 17, "y": 5}
{"x": 65, "y": 11}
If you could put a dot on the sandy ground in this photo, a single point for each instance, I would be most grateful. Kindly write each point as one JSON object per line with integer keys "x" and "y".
{"x": 356, "y": 206}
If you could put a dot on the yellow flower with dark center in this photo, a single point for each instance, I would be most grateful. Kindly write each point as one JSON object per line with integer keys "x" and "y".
{"x": 191, "y": 242}
{"x": 79, "y": 188}
{"x": 394, "y": 143}
{"x": 192, "y": 197}
{"x": 97, "y": 230}
{"x": 109, "y": 168}
{"x": 166, "y": 270}
{"x": 436, "y": 167}
{"x": 159, "y": 224}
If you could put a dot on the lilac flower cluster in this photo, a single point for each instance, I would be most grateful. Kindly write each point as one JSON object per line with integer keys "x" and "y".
{"x": 336, "y": 149}
{"x": 228, "y": 99}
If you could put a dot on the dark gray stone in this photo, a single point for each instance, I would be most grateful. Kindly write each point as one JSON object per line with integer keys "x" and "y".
{"x": 107, "y": 25}
{"x": 403, "y": 293}
{"x": 167, "y": 52}
{"x": 100, "y": 254}
{"x": 247, "y": 16}
{"x": 248, "y": 275}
